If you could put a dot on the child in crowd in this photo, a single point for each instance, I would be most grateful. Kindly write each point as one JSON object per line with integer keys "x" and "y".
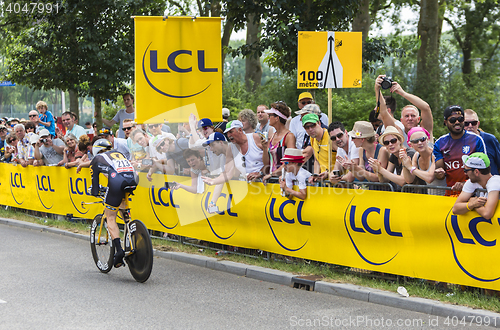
{"x": 293, "y": 160}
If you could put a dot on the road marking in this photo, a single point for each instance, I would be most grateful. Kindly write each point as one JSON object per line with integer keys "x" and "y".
{"x": 2, "y": 302}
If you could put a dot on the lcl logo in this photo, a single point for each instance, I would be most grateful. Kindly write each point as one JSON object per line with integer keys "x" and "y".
{"x": 196, "y": 57}
{"x": 371, "y": 233}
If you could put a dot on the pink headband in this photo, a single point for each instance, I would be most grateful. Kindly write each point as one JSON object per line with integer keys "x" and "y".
{"x": 276, "y": 112}
{"x": 417, "y": 129}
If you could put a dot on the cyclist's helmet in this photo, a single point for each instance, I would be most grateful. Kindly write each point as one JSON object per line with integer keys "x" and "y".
{"x": 100, "y": 146}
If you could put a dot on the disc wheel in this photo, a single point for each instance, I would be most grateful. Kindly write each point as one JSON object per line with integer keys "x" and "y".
{"x": 140, "y": 263}
{"x": 101, "y": 246}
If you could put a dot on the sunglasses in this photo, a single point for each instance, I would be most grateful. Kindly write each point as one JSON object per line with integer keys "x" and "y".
{"x": 309, "y": 126}
{"x": 468, "y": 169}
{"x": 243, "y": 159}
{"x": 305, "y": 102}
{"x": 33, "y": 115}
{"x": 104, "y": 131}
{"x": 161, "y": 145}
{"x": 472, "y": 123}
{"x": 127, "y": 128}
{"x": 391, "y": 141}
{"x": 460, "y": 119}
{"x": 422, "y": 139}
{"x": 338, "y": 136}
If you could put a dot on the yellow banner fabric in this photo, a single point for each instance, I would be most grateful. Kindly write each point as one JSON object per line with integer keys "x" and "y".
{"x": 177, "y": 68}
{"x": 399, "y": 233}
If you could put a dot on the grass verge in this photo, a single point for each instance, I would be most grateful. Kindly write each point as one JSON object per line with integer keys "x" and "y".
{"x": 453, "y": 294}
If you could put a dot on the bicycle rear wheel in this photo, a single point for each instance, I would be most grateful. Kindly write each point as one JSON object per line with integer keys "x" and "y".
{"x": 101, "y": 246}
{"x": 140, "y": 263}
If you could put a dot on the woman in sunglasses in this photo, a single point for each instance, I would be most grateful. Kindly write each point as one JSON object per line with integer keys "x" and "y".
{"x": 419, "y": 169}
{"x": 392, "y": 139}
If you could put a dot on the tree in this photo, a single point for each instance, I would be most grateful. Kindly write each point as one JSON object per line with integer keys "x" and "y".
{"x": 85, "y": 46}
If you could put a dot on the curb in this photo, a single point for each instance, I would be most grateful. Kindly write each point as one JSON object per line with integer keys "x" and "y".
{"x": 351, "y": 291}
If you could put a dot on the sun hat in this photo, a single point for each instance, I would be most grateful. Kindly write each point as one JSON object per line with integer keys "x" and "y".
{"x": 276, "y": 112}
{"x": 391, "y": 130}
{"x": 477, "y": 160}
{"x": 361, "y": 130}
{"x": 293, "y": 155}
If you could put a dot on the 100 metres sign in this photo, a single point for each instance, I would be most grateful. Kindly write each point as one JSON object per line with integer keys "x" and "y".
{"x": 329, "y": 60}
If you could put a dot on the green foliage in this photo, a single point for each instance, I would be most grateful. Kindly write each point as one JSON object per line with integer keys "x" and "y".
{"x": 281, "y": 22}
{"x": 86, "y": 46}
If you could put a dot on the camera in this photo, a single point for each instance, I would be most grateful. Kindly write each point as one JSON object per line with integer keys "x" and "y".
{"x": 44, "y": 140}
{"x": 386, "y": 82}
{"x": 336, "y": 173}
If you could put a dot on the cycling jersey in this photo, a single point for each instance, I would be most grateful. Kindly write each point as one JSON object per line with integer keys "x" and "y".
{"x": 120, "y": 174}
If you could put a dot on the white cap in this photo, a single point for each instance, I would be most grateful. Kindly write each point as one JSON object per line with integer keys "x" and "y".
{"x": 34, "y": 138}
{"x": 44, "y": 132}
{"x": 233, "y": 124}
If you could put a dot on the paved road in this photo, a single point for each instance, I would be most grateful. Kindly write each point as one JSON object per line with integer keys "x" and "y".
{"x": 48, "y": 281}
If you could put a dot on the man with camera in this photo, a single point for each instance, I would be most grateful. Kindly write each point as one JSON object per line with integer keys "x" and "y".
{"x": 48, "y": 151}
{"x": 410, "y": 116}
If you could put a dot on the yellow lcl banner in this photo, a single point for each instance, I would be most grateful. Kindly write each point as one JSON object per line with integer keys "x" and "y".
{"x": 399, "y": 233}
{"x": 329, "y": 60}
{"x": 177, "y": 68}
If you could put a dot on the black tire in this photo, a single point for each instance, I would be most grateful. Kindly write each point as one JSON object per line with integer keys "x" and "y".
{"x": 101, "y": 247}
{"x": 140, "y": 263}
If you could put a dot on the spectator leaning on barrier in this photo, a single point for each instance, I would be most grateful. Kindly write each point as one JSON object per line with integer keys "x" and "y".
{"x": 471, "y": 124}
{"x": 320, "y": 143}
{"x": 71, "y": 155}
{"x": 48, "y": 151}
{"x": 214, "y": 163}
{"x": 346, "y": 151}
{"x": 450, "y": 148}
{"x": 68, "y": 119}
{"x": 197, "y": 169}
{"x": 173, "y": 149}
{"x": 393, "y": 142}
{"x": 292, "y": 161}
{"x": 423, "y": 163}
{"x": 122, "y": 114}
{"x": 25, "y": 151}
{"x": 139, "y": 155}
{"x": 477, "y": 167}
{"x": 117, "y": 143}
{"x": 10, "y": 151}
{"x": 281, "y": 139}
{"x": 363, "y": 137}
{"x": 296, "y": 126}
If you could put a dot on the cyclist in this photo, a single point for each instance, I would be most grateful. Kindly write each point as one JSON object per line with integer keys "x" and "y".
{"x": 120, "y": 174}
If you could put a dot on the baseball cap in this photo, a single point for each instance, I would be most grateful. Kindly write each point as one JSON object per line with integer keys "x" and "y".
{"x": 310, "y": 118}
{"x": 233, "y": 124}
{"x": 225, "y": 112}
{"x": 34, "y": 138}
{"x": 452, "y": 108}
{"x": 310, "y": 108}
{"x": 204, "y": 122}
{"x": 361, "y": 130}
{"x": 44, "y": 132}
{"x": 305, "y": 95}
{"x": 214, "y": 137}
{"x": 477, "y": 160}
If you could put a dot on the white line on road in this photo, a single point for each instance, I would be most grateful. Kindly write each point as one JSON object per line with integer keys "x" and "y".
{"x": 2, "y": 302}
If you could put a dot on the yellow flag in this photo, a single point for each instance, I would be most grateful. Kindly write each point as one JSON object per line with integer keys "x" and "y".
{"x": 177, "y": 68}
{"x": 329, "y": 60}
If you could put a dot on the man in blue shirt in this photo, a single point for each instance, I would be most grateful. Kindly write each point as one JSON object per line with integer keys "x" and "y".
{"x": 450, "y": 148}
{"x": 471, "y": 124}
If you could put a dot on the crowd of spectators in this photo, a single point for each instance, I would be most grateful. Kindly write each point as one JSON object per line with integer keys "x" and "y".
{"x": 269, "y": 143}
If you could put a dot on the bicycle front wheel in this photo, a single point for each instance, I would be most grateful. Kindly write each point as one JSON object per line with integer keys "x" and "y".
{"x": 140, "y": 262}
{"x": 101, "y": 245}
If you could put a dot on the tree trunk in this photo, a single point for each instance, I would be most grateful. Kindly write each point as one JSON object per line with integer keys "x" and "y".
{"x": 362, "y": 20}
{"x": 98, "y": 112}
{"x": 226, "y": 36}
{"x": 253, "y": 68}
{"x": 427, "y": 86}
{"x": 73, "y": 103}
